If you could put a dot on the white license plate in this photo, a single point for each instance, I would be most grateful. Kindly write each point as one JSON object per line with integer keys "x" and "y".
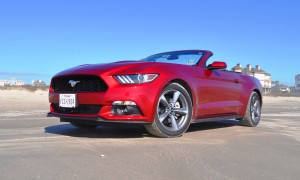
{"x": 67, "y": 100}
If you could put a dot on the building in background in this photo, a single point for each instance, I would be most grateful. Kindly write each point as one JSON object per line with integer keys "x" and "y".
{"x": 38, "y": 83}
{"x": 264, "y": 77}
{"x": 11, "y": 82}
{"x": 281, "y": 88}
{"x": 238, "y": 68}
{"x": 297, "y": 82}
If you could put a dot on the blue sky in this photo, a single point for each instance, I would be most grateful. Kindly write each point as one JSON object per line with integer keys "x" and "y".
{"x": 40, "y": 38}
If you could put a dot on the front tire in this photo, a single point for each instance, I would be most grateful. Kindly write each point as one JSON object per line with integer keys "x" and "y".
{"x": 253, "y": 112}
{"x": 173, "y": 112}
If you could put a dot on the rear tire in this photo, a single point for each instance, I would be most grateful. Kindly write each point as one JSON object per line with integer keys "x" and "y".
{"x": 253, "y": 112}
{"x": 173, "y": 112}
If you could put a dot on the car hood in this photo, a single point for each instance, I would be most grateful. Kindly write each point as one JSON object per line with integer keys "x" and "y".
{"x": 120, "y": 67}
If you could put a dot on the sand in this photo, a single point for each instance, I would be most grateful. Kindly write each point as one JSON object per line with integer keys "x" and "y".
{"x": 279, "y": 99}
{"x": 22, "y": 100}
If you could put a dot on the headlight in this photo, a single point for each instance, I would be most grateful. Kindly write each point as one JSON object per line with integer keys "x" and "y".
{"x": 136, "y": 78}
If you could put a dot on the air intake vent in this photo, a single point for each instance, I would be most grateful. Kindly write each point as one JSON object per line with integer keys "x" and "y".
{"x": 81, "y": 109}
{"x": 78, "y": 83}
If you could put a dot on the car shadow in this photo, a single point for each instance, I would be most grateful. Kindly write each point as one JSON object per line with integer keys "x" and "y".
{"x": 99, "y": 132}
{"x": 203, "y": 126}
{"x": 117, "y": 131}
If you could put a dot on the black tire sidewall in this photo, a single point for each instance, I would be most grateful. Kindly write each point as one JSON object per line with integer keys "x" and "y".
{"x": 247, "y": 120}
{"x": 253, "y": 122}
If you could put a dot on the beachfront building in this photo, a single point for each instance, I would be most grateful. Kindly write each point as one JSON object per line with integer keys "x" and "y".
{"x": 297, "y": 82}
{"x": 38, "y": 83}
{"x": 264, "y": 77}
{"x": 11, "y": 82}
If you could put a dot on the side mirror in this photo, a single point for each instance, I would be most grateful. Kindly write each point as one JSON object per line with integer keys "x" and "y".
{"x": 217, "y": 65}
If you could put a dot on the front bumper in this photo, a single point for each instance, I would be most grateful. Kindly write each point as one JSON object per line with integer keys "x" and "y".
{"x": 144, "y": 95}
{"x": 93, "y": 120}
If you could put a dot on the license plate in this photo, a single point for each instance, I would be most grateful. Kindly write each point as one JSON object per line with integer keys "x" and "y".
{"x": 67, "y": 100}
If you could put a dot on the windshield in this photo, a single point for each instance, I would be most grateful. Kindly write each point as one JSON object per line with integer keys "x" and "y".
{"x": 176, "y": 57}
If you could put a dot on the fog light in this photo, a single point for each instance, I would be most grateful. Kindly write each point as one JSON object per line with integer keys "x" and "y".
{"x": 126, "y": 103}
{"x": 117, "y": 103}
{"x": 125, "y": 108}
{"x": 129, "y": 103}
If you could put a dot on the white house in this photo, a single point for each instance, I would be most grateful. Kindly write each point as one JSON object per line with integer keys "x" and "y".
{"x": 38, "y": 83}
{"x": 11, "y": 82}
{"x": 264, "y": 77}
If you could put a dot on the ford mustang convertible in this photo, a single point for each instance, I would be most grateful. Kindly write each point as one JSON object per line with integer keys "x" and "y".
{"x": 165, "y": 92}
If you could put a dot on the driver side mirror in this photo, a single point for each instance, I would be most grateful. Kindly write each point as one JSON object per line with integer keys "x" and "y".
{"x": 217, "y": 65}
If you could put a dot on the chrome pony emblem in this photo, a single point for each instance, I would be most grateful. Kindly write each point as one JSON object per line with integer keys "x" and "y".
{"x": 73, "y": 83}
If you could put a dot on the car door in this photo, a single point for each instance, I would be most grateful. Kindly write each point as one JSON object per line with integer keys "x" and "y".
{"x": 219, "y": 93}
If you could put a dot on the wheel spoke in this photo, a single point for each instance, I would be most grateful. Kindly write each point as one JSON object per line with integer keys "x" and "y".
{"x": 163, "y": 116}
{"x": 255, "y": 104}
{"x": 164, "y": 101}
{"x": 180, "y": 111}
{"x": 254, "y": 101}
{"x": 257, "y": 112}
{"x": 256, "y": 109}
{"x": 174, "y": 123}
{"x": 175, "y": 96}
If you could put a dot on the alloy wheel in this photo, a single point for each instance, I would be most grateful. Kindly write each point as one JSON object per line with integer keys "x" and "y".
{"x": 255, "y": 108}
{"x": 172, "y": 110}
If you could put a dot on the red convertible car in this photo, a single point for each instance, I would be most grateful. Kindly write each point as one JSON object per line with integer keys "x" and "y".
{"x": 165, "y": 92}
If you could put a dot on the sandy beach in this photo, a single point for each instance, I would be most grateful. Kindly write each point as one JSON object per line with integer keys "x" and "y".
{"x": 23, "y": 100}
{"x": 33, "y": 146}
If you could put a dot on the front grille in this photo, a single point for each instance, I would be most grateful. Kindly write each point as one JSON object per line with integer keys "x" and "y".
{"x": 81, "y": 109}
{"x": 85, "y": 83}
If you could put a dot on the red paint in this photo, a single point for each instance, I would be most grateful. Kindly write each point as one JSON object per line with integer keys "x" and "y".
{"x": 218, "y": 65}
{"x": 214, "y": 92}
